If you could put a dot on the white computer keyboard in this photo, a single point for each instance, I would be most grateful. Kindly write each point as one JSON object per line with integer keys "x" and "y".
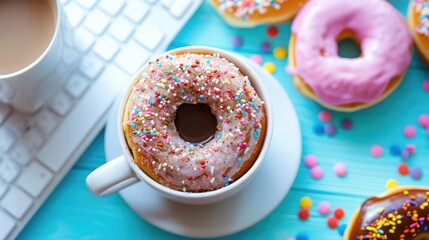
{"x": 115, "y": 38}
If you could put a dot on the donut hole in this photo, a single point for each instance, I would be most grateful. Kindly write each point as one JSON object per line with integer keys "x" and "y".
{"x": 195, "y": 123}
{"x": 348, "y": 45}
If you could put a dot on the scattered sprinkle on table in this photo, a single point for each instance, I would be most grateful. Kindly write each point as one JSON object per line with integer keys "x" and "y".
{"x": 316, "y": 172}
{"x": 305, "y": 202}
{"x": 272, "y": 31}
{"x": 416, "y": 173}
{"x": 324, "y": 208}
{"x": 405, "y": 154}
{"x": 302, "y": 236}
{"x": 403, "y": 169}
{"x": 391, "y": 183}
{"x": 411, "y": 148}
{"x": 330, "y": 129}
{"x": 410, "y": 131}
{"x": 269, "y": 67}
{"x": 237, "y": 41}
{"x": 339, "y": 213}
{"x": 376, "y": 151}
{"x": 346, "y": 124}
{"x": 280, "y": 53}
{"x": 310, "y": 161}
{"x": 340, "y": 169}
{"x": 395, "y": 150}
{"x": 423, "y": 120}
{"x": 256, "y": 58}
{"x": 341, "y": 229}
{"x": 318, "y": 129}
{"x": 332, "y": 222}
{"x": 265, "y": 47}
{"x": 303, "y": 214}
{"x": 426, "y": 85}
{"x": 325, "y": 116}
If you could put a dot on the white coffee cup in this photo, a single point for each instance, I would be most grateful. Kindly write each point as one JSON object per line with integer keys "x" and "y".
{"x": 122, "y": 171}
{"x": 29, "y": 88}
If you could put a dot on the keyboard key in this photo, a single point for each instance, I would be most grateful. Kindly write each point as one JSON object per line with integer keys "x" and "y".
{"x": 33, "y": 138}
{"x": 8, "y": 169}
{"x": 6, "y": 92}
{"x": 7, "y": 224}
{"x": 34, "y": 179}
{"x": 16, "y": 202}
{"x": 70, "y": 56}
{"x": 136, "y": 10}
{"x": 16, "y": 123}
{"x": 121, "y": 29}
{"x": 97, "y": 22}
{"x": 7, "y": 139}
{"x": 91, "y": 107}
{"x": 88, "y": 4}
{"x": 84, "y": 39}
{"x": 47, "y": 121}
{"x": 167, "y": 3}
{"x": 4, "y": 112}
{"x": 21, "y": 154}
{"x": 77, "y": 85}
{"x": 112, "y": 7}
{"x": 75, "y": 14}
{"x": 3, "y": 187}
{"x": 91, "y": 66}
{"x": 132, "y": 57}
{"x": 61, "y": 103}
{"x": 106, "y": 47}
{"x": 179, "y": 7}
{"x": 149, "y": 36}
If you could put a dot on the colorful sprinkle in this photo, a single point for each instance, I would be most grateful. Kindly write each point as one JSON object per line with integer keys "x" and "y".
{"x": 330, "y": 129}
{"x": 391, "y": 183}
{"x": 302, "y": 236}
{"x": 341, "y": 229}
{"x": 405, "y": 154}
{"x": 403, "y": 169}
{"x": 340, "y": 169}
{"x": 303, "y": 214}
{"x": 280, "y": 53}
{"x": 332, "y": 222}
{"x": 265, "y": 47}
{"x": 376, "y": 151}
{"x": 318, "y": 129}
{"x": 423, "y": 120}
{"x": 410, "y": 131}
{"x": 346, "y": 124}
{"x": 237, "y": 41}
{"x": 395, "y": 150}
{"x": 310, "y": 161}
{"x": 426, "y": 85}
{"x": 256, "y": 58}
{"x": 316, "y": 172}
{"x": 325, "y": 116}
{"x": 339, "y": 213}
{"x": 272, "y": 31}
{"x": 324, "y": 208}
{"x": 305, "y": 202}
{"x": 411, "y": 148}
{"x": 243, "y": 9}
{"x": 416, "y": 173}
{"x": 269, "y": 67}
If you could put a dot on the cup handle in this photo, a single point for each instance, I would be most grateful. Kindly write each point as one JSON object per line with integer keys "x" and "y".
{"x": 111, "y": 177}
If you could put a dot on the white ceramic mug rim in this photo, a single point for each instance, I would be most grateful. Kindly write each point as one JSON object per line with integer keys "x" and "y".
{"x": 268, "y": 108}
{"x": 48, "y": 48}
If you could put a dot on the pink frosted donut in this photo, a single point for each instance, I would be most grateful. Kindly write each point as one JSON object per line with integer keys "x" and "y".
{"x": 349, "y": 83}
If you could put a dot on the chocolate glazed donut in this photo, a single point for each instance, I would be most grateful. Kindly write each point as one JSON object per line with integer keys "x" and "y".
{"x": 400, "y": 214}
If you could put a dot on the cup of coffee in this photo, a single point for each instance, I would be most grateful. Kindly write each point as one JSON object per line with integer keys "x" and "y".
{"x": 37, "y": 52}
{"x": 195, "y": 124}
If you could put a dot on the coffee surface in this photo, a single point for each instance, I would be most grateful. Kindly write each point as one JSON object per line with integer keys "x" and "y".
{"x": 26, "y": 29}
{"x": 195, "y": 123}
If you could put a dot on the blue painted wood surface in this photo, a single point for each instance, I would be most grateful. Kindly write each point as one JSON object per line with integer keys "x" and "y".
{"x": 72, "y": 212}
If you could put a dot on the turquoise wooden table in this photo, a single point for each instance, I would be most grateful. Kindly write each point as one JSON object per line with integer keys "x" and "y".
{"x": 72, "y": 212}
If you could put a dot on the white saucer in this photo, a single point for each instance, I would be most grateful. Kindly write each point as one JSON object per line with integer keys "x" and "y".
{"x": 267, "y": 189}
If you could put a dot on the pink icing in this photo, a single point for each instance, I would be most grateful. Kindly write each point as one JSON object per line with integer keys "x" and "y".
{"x": 385, "y": 46}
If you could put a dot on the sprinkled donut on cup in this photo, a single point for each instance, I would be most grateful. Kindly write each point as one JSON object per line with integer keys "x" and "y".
{"x": 418, "y": 19}
{"x": 348, "y": 84}
{"x": 194, "y": 122}
{"x": 249, "y": 13}
{"x": 400, "y": 214}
